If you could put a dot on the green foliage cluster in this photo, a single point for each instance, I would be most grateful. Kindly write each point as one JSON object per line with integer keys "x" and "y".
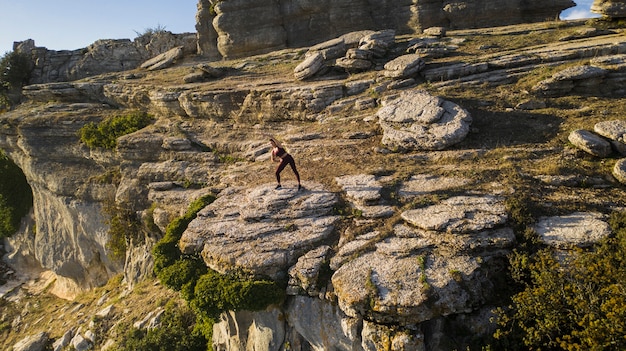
{"x": 177, "y": 332}
{"x": 15, "y": 71}
{"x": 572, "y": 303}
{"x": 105, "y": 133}
{"x": 16, "y": 197}
{"x": 124, "y": 226}
{"x": 208, "y": 292}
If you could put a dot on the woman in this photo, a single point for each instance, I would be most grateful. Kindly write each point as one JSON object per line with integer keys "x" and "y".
{"x": 279, "y": 154}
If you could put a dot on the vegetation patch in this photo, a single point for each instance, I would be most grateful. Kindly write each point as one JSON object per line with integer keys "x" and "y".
{"x": 208, "y": 292}
{"x": 570, "y": 303}
{"x": 105, "y": 133}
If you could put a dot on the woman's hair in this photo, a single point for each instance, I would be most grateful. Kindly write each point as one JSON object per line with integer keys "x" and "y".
{"x": 276, "y": 142}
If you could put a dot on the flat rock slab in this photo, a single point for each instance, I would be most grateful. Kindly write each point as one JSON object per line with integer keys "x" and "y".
{"x": 460, "y": 214}
{"x": 364, "y": 191}
{"x": 590, "y": 142}
{"x": 417, "y": 120}
{"x": 422, "y": 184}
{"x": 416, "y": 275}
{"x": 580, "y": 229}
{"x": 261, "y": 230}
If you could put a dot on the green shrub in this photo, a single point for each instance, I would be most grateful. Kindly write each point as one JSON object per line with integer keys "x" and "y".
{"x": 578, "y": 303}
{"x": 208, "y": 292}
{"x": 215, "y": 293}
{"x": 16, "y": 197}
{"x": 105, "y": 133}
{"x": 15, "y": 71}
{"x": 177, "y": 332}
{"x": 124, "y": 226}
{"x": 166, "y": 251}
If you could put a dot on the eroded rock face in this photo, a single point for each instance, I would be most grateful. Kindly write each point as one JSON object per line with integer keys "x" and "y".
{"x": 261, "y": 230}
{"x": 417, "y": 274}
{"x": 103, "y": 56}
{"x": 246, "y": 27}
{"x": 609, "y": 8}
{"x": 417, "y": 120}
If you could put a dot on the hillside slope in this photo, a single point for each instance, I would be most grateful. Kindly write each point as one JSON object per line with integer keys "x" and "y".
{"x": 415, "y": 240}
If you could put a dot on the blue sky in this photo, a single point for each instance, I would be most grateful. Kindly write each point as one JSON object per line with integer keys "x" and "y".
{"x": 75, "y": 24}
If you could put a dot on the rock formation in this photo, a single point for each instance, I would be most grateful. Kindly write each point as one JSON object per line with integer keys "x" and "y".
{"x": 609, "y": 8}
{"x": 247, "y": 27}
{"x": 382, "y": 250}
{"x": 103, "y": 56}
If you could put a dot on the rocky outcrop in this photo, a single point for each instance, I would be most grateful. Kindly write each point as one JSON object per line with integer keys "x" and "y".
{"x": 261, "y": 230}
{"x": 417, "y": 120}
{"x": 103, "y": 56}
{"x": 609, "y": 8}
{"x": 247, "y": 27}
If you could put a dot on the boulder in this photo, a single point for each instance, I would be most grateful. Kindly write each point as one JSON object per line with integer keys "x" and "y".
{"x": 378, "y": 42}
{"x": 619, "y": 170}
{"x": 35, "y": 342}
{"x": 163, "y": 60}
{"x": 60, "y": 343}
{"x": 405, "y": 66}
{"x": 330, "y": 50}
{"x": 579, "y": 229}
{"x": 590, "y": 142}
{"x": 310, "y": 66}
{"x": 417, "y": 120}
{"x": 460, "y": 214}
{"x": 261, "y": 230}
{"x": 435, "y": 31}
{"x": 80, "y": 343}
{"x": 615, "y": 131}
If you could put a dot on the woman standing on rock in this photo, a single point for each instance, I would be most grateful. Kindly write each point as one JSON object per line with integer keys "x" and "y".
{"x": 279, "y": 154}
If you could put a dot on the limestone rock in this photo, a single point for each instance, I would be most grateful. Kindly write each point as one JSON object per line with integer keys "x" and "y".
{"x": 245, "y": 330}
{"x": 246, "y": 28}
{"x": 378, "y": 42}
{"x": 305, "y": 274}
{"x": 609, "y": 8}
{"x": 261, "y": 230}
{"x": 63, "y": 341}
{"x": 404, "y": 66}
{"x": 35, "y": 342}
{"x": 355, "y": 60}
{"x": 460, "y": 214}
{"x": 310, "y": 66}
{"x": 364, "y": 191}
{"x": 435, "y": 31}
{"x": 615, "y": 131}
{"x": 80, "y": 343}
{"x": 163, "y": 60}
{"x": 422, "y": 184}
{"x": 619, "y": 170}
{"x": 584, "y": 79}
{"x": 417, "y": 120}
{"x": 579, "y": 229}
{"x": 330, "y": 50}
{"x": 431, "y": 284}
{"x": 590, "y": 142}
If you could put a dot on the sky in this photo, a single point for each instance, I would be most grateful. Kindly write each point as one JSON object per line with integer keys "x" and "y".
{"x": 75, "y": 24}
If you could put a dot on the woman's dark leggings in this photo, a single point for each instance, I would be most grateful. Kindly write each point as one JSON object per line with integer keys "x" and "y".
{"x": 287, "y": 160}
